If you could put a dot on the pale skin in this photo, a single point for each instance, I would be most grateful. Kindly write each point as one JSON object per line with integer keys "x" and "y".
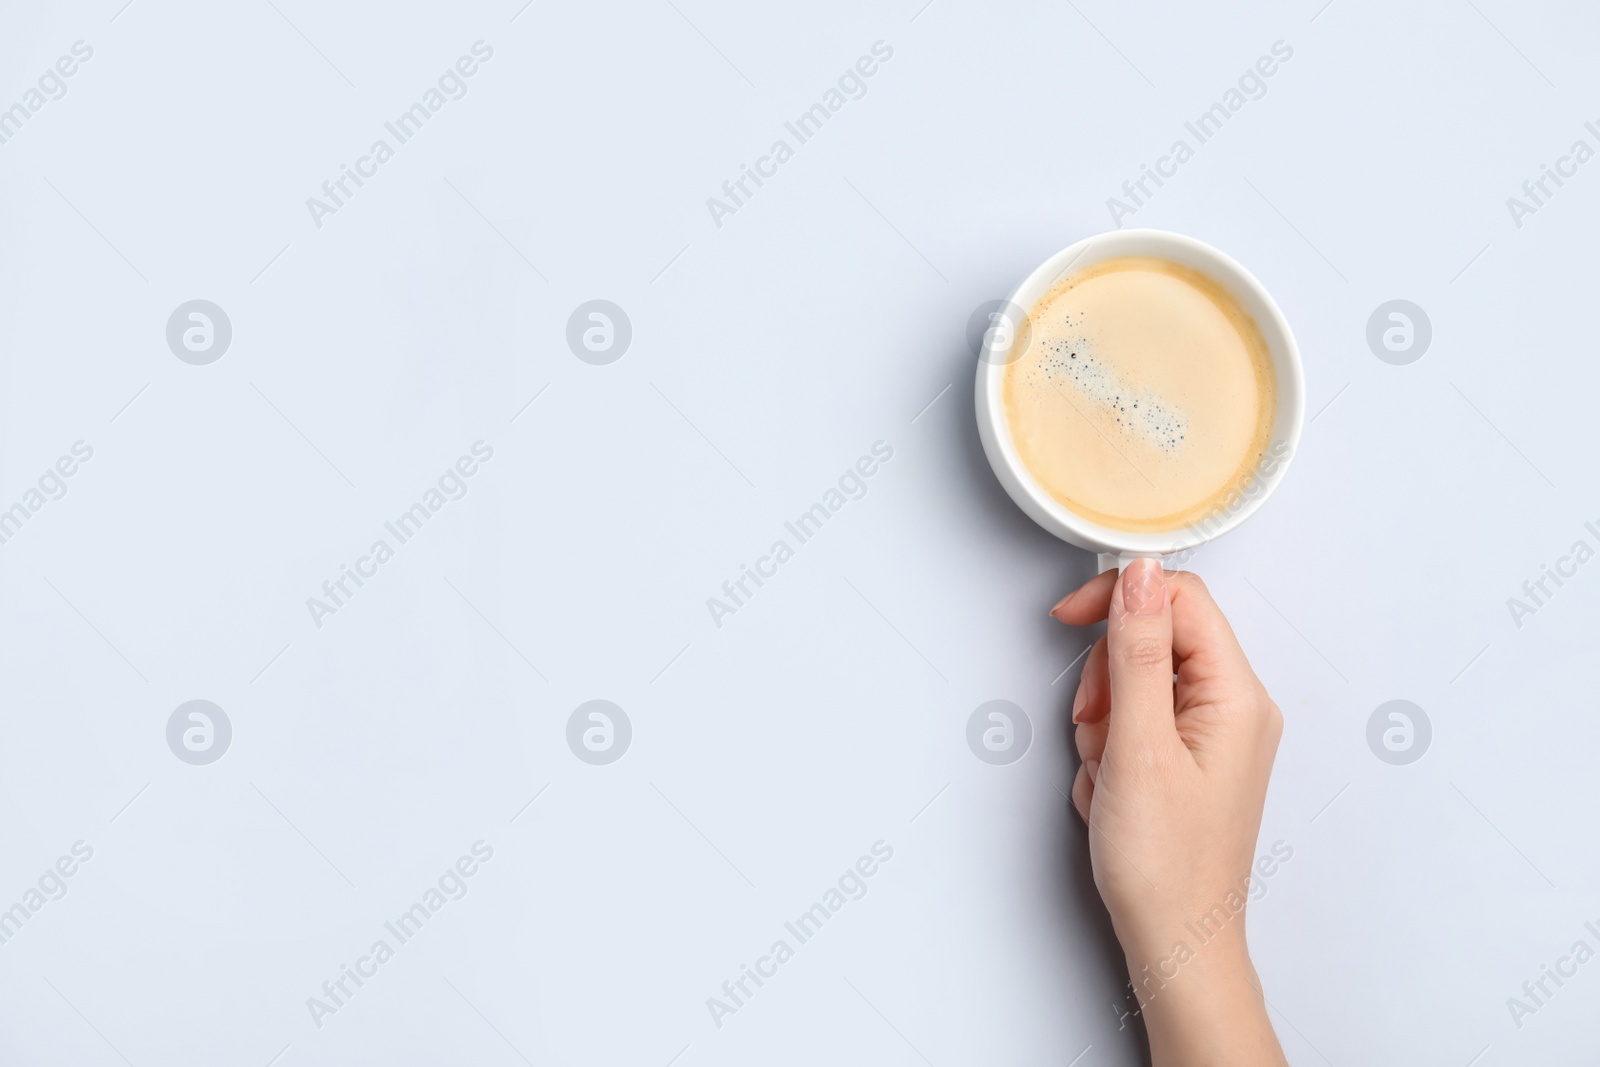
{"x": 1177, "y": 737}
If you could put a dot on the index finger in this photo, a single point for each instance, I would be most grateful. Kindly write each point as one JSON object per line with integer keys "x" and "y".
{"x": 1089, "y": 603}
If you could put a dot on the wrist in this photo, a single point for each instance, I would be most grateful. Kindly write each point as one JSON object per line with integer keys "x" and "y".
{"x": 1188, "y": 968}
{"x": 1204, "y": 1006}
{"x": 1157, "y": 940}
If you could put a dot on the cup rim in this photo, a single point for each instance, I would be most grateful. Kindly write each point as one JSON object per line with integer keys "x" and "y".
{"x": 1020, "y": 483}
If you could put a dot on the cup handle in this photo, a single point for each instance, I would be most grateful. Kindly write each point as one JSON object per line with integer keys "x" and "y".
{"x": 1113, "y": 561}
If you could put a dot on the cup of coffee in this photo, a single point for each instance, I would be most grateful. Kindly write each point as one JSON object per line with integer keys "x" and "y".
{"x": 1139, "y": 394}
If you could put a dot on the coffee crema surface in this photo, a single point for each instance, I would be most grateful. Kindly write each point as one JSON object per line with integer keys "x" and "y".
{"x": 1144, "y": 396}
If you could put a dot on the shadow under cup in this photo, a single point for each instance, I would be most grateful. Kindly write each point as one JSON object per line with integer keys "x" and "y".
{"x": 1115, "y": 547}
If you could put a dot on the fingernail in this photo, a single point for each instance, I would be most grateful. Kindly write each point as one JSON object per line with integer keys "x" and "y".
{"x": 1079, "y": 701}
{"x": 1144, "y": 587}
{"x": 1062, "y": 604}
{"x": 1092, "y": 768}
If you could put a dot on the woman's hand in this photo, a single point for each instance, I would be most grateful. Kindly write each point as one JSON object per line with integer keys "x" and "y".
{"x": 1177, "y": 737}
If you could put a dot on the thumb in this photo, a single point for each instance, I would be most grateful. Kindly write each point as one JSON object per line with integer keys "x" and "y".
{"x": 1139, "y": 654}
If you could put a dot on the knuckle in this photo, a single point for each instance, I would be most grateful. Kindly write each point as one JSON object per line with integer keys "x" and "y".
{"x": 1197, "y": 589}
{"x": 1145, "y": 650}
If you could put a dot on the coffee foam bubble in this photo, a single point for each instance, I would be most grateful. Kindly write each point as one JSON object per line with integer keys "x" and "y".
{"x": 1138, "y": 413}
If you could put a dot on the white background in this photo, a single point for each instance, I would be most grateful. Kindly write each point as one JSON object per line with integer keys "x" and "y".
{"x": 768, "y": 354}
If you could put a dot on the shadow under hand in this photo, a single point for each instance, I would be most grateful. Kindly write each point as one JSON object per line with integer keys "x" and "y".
{"x": 1086, "y": 932}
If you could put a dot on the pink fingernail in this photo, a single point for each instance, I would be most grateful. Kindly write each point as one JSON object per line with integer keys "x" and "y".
{"x": 1092, "y": 768}
{"x": 1062, "y": 603}
{"x": 1144, "y": 587}
{"x": 1079, "y": 701}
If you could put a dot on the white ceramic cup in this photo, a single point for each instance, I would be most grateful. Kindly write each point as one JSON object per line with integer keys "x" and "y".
{"x": 1116, "y": 547}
